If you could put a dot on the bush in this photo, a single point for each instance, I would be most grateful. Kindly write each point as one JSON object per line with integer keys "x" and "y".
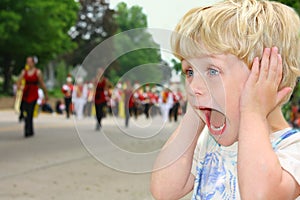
{"x": 55, "y": 93}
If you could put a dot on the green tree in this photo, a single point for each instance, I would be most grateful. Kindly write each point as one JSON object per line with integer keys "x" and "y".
{"x": 33, "y": 27}
{"x": 130, "y": 18}
{"x": 176, "y": 65}
{"x": 132, "y": 24}
{"x": 94, "y": 24}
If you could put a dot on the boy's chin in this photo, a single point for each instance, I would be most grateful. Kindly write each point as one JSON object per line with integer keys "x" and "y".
{"x": 225, "y": 139}
{"x": 226, "y": 143}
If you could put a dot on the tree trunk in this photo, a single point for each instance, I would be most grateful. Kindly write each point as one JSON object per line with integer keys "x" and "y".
{"x": 7, "y": 72}
{"x": 50, "y": 83}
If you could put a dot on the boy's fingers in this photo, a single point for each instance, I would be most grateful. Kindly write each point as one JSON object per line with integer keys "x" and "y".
{"x": 254, "y": 74}
{"x": 264, "y": 64}
{"x": 274, "y": 65}
{"x": 279, "y": 70}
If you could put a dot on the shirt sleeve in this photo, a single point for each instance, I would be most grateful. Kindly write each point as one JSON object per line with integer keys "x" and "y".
{"x": 199, "y": 150}
{"x": 289, "y": 156}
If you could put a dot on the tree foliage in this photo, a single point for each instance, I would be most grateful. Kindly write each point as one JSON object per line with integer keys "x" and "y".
{"x": 33, "y": 27}
{"x": 39, "y": 27}
{"x": 141, "y": 47}
{"x": 176, "y": 65}
{"x": 130, "y": 18}
{"x": 94, "y": 24}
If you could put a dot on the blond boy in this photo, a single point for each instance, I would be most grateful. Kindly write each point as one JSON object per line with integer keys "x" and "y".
{"x": 241, "y": 60}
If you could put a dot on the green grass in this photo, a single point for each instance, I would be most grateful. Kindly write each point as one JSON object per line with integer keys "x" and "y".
{"x": 55, "y": 93}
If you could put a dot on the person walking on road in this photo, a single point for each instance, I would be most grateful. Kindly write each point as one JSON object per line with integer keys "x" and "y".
{"x": 128, "y": 102}
{"x": 165, "y": 103}
{"x": 79, "y": 97}
{"x": 33, "y": 78}
{"x": 100, "y": 97}
{"x": 67, "y": 90}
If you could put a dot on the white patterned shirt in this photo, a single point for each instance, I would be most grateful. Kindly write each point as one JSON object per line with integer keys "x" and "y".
{"x": 215, "y": 166}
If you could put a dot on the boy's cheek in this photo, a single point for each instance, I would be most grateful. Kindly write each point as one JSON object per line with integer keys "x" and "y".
{"x": 219, "y": 101}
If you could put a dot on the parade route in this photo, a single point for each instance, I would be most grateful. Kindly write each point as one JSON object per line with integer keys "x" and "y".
{"x": 54, "y": 164}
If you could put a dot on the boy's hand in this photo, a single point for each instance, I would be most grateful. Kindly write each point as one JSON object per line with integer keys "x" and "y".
{"x": 261, "y": 91}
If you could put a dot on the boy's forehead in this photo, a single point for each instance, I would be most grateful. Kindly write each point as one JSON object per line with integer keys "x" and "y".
{"x": 212, "y": 58}
{"x": 206, "y": 58}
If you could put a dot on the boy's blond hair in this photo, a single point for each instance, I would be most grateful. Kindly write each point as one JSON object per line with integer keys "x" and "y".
{"x": 242, "y": 28}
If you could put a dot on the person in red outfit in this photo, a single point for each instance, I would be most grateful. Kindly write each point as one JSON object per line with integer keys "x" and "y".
{"x": 67, "y": 90}
{"x": 177, "y": 98}
{"x": 100, "y": 97}
{"x": 33, "y": 79}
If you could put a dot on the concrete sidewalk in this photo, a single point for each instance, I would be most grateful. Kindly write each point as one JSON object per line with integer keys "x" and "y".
{"x": 55, "y": 164}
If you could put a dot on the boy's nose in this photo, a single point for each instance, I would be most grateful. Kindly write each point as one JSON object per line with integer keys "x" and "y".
{"x": 198, "y": 91}
{"x": 198, "y": 85}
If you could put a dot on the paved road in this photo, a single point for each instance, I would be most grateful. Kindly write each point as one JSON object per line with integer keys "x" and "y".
{"x": 68, "y": 159}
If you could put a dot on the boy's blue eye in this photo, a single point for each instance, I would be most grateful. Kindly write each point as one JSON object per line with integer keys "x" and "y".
{"x": 189, "y": 73}
{"x": 213, "y": 72}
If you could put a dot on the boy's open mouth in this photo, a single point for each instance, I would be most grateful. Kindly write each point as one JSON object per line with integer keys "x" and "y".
{"x": 215, "y": 120}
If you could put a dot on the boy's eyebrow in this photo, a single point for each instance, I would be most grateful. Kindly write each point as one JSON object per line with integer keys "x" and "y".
{"x": 209, "y": 55}
{"x": 213, "y": 56}
{"x": 203, "y": 56}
